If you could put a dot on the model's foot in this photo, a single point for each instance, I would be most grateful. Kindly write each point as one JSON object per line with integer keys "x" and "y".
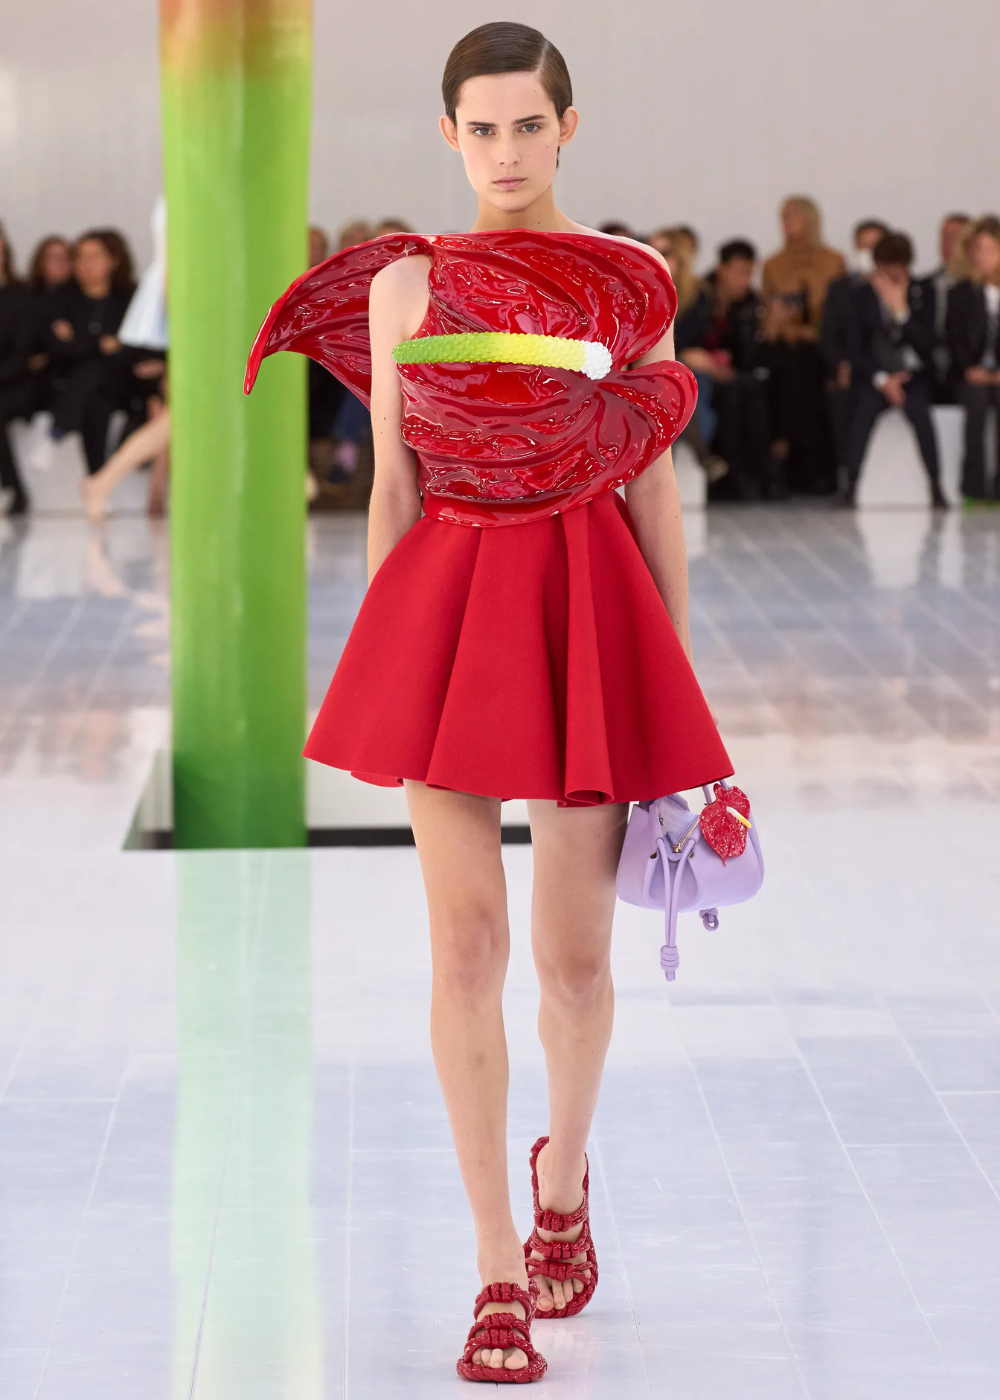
{"x": 511, "y": 1358}
{"x": 18, "y": 504}
{"x": 939, "y": 501}
{"x": 554, "y": 1293}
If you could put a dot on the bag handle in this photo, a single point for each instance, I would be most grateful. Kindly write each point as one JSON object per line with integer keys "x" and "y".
{"x": 709, "y": 794}
{"x": 673, "y": 870}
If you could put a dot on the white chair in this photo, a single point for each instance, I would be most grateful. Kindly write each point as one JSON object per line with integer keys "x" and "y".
{"x": 892, "y": 473}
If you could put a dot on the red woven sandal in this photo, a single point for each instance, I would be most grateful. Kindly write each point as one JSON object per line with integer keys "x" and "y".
{"x": 557, "y": 1253}
{"x": 504, "y": 1329}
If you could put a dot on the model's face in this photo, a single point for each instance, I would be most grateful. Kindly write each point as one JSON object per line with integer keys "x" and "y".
{"x": 735, "y": 277}
{"x": 984, "y": 254}
{"x": 951, "y": 232}
{"x": 509, "y": 136}
{"x": 56, "y": 264}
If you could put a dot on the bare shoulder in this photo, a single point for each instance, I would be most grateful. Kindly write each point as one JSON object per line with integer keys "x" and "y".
{"x": 397, "y": 300}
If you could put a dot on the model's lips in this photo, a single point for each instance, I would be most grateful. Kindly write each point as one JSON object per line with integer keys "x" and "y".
{"x": 511, "y": 183}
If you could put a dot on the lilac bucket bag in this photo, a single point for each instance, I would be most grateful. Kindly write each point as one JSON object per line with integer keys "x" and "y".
{"x": 666, "y": 863}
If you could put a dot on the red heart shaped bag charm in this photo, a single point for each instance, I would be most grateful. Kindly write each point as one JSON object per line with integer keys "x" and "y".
{"x": 726, "y": 821}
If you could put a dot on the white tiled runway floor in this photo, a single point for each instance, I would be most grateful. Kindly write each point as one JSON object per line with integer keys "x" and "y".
{"x": 225, "y": 1164}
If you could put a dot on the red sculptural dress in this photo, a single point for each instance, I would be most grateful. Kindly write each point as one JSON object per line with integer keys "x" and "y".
{"x": 514, "y": 644}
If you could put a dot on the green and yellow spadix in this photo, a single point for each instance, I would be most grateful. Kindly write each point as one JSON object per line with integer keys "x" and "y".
{"x": 588, "y": 357}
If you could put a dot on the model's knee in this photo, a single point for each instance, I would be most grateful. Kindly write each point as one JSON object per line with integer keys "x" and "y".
{"x": 471, "y": 948}
{"x": 579, "y": 978}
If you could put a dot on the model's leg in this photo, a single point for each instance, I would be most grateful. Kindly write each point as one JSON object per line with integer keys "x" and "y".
{"x": 576, "y": 853}
{"x": 458, "y": 841}
{"x": 144, "y": 444}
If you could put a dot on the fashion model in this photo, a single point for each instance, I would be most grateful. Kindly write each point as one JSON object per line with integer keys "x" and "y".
{"x": 525, "y": 630}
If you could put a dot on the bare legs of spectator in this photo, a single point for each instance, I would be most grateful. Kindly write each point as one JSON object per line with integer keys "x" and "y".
{"x": 977, "y": 400}
{"x": 869, "y": 403}
{"x": 148, "y": 443}
{"x": 714, "y": 466}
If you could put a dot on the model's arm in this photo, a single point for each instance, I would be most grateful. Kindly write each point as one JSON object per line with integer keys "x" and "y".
{"x": 655, "y": 507}
{"x": 396, "y": 306}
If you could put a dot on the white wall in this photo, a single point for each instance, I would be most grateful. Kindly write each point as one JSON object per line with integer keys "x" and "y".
{"x": 707, "y": 111}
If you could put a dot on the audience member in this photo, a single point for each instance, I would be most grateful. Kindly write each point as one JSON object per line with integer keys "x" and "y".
{"x": 795, "y": 284}
{"x": 391, "y": 226}
{"x": 838, "y": 314}
{"x": 616, "y": 229}
{"x": 719, "y": 337}
{"x": 973, "y": 327}
{"x": 15, "y": 309}
{"x": 325, "y": 392}
{"x": 89, "y": 364}
{"x": 319, "y": 245}
{"x": 891, "y": 355}
{"x": 357, "y": 231}
{"x": 51, "y": 264}
{"x": 660, "y": 240}
{"x": 678, "y": 246}
{"x": 952, "y": 270}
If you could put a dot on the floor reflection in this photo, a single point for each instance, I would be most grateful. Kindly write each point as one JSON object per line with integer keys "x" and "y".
{"x": 244, "y": 1237}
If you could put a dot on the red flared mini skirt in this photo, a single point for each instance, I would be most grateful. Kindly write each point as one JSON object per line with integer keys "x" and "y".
{"x": 533, "y": 660}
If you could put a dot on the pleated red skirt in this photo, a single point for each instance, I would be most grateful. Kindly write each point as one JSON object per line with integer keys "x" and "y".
{"x": 529, "y": 660}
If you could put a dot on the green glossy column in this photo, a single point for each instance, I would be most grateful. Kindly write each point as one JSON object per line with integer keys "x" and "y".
{"x": 236, "y": 110}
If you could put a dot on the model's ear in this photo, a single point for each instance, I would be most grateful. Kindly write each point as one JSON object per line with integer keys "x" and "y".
{"x": 449, "y": 131}
{"x": 568, "y": 124}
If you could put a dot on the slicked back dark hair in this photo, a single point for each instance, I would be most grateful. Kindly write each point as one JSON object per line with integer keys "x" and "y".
{"x": 504, "y": 47}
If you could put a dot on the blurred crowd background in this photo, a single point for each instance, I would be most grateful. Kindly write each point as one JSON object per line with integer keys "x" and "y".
{"x": 796, "y": 356}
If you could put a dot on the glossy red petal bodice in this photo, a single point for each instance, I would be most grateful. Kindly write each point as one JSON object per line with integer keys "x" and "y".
{"x": 502, "y": 444}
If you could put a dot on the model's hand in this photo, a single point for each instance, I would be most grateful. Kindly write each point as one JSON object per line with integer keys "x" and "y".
{"x": 110, "y": 344}
{"x": 62, "y": 330}
{"x": 844, "y": 375}
{"x": 894, "y": 388}
{"x": 978, "y": 375}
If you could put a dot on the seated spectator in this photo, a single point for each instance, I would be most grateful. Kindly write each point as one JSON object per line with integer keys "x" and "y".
{"x": 838, "y": 312}
{"x": 390, "y": 226}
{"x": 660, "y": 240}
{"x": 353, "y": 233}
{"x": 892, "y": 361}
{"x": 93, "y": 372}
{"x": 952, "y": 270}
{"x": 973, "y": 328}
{"x": 326, "y": 393}
{"x": 616, "y": 229}
{"x": 719, "y": 337}
{"x": 319, "y": 245}
{"x": 51, "y": 264}
{"x": 678, "y": 246}
{"x": 15, "y": 314}
{"x": 795, "y": 284}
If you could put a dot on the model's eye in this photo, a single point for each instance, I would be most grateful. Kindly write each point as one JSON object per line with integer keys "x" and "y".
{"x": 482, "y": 130}
{"x": 531, "y": 126}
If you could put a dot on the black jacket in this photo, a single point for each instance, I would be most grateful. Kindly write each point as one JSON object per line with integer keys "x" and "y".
{"x": 737, "y": 332}
{"x": 967, "y": 326}
{"x": 15, "y": 333}
{"x": 877, "y": 343}
{"x": 838, "y": 313}
{"x": 90, "y": 318}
